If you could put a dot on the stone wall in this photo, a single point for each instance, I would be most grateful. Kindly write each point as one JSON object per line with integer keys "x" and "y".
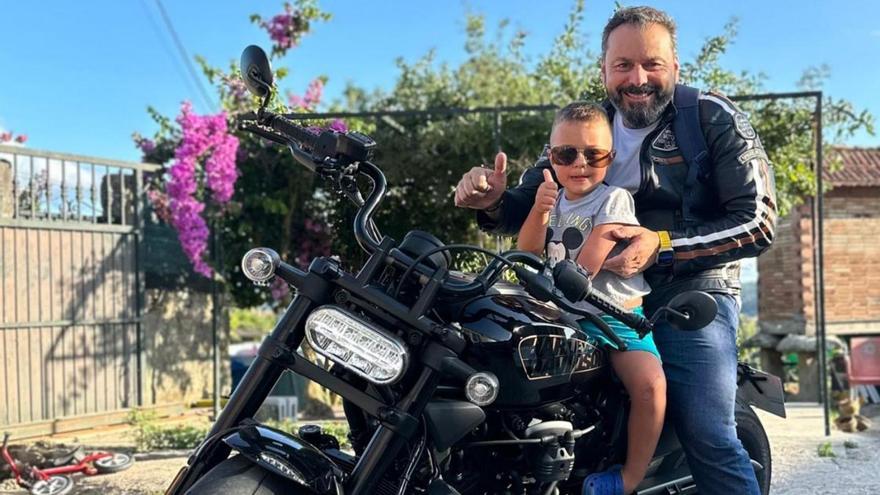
{"x": 177, "y": 346}
{"x": 6, "y": 201}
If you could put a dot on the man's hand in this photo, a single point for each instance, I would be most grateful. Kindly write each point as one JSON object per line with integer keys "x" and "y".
{"x": 548, "y": 191}
{"x": 481, "y": 187}
{"x": 638, "y": 256}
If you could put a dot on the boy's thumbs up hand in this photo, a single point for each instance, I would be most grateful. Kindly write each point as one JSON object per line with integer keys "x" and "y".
{"x": 545, "y": 198}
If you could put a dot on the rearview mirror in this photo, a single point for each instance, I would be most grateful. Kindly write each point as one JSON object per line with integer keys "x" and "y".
{"x": 256, "y": 71}
{"x": 691, "y": 310}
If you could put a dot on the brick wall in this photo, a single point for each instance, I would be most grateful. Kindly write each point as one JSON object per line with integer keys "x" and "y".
{"x": 781, "y": 294}
{"x": 851, "y": 267}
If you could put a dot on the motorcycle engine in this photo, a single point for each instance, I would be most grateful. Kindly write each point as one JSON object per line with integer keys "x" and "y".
{"x": 552, "y": 459}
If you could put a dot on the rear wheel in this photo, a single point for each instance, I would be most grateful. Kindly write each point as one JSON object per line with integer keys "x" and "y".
{"x": 237, "y": 475}
{"x": 117, "y": 461}
{"x": 754, "y": 439}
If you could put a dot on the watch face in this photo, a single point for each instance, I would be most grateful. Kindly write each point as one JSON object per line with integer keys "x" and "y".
{"x": 664, "y": 258}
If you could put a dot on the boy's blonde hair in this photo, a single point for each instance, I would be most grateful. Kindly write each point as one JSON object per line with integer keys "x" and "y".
{"x": 581, "y": 111}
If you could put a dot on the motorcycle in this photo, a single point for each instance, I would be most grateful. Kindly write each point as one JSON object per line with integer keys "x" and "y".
{"x": 451, "y": 384}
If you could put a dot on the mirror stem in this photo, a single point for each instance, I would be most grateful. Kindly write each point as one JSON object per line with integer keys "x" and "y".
{"x": 684, "y": 316}
{"x": 659, "y": 313}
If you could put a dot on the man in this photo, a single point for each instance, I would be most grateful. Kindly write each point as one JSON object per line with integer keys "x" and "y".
{"x": 699, "y": 215}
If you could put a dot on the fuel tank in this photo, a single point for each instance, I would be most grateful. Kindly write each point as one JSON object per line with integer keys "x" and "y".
{"x": 537, "y": 351}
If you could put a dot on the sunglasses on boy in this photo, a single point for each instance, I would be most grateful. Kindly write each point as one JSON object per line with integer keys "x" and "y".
{"x": 566, "y": 155}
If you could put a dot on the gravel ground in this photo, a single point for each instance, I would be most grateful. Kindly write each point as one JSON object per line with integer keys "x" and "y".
{"x": 797, "y": 467}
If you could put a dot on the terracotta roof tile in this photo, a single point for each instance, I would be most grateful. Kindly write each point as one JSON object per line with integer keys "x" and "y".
{"x": 860, "y": 168}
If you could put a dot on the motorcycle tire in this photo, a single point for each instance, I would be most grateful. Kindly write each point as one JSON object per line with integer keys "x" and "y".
{"x": 238, "y": 476}
{"x": 114, "y": 464}
{"x": 751, "y": 433}
{"x": 58, "y": 484}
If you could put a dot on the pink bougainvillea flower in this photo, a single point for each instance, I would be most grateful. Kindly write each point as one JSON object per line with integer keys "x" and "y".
{"x": 309, "y": 102}
{"x": 21, "y": 138}
{"x": 279, "y": 289}
{"x": 313, "y": 93}
{"x": 338, "y": 125}
{"x": 205, "y": 140}
{"x": 284, "y": 29}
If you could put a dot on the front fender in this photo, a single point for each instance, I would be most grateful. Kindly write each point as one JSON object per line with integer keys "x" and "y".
{"x": 760, "y": 389}
{"x": 288, "y": 456}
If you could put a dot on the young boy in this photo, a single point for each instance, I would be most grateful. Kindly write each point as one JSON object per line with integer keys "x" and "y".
{"x": 577, "y": 225}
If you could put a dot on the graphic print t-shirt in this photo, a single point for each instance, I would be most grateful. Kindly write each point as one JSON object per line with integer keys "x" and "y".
{"x": 571, "y": 223}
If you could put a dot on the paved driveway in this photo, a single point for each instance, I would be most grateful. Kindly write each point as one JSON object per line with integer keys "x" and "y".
{"x": 797, "y": 467}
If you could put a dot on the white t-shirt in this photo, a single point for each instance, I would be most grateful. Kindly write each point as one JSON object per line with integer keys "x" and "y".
{"x": 625, "y": 171}
{"x": 571, "y": 223}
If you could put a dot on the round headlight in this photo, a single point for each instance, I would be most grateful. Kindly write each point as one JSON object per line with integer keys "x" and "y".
{"x": 482, "y": 388}
{"x": 259, "y": 264}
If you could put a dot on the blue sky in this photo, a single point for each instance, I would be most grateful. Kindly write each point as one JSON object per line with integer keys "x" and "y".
{"x": 77, "y": 76}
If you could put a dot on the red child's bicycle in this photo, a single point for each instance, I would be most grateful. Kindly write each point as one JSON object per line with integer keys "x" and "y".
{"x": 54, "y": 480}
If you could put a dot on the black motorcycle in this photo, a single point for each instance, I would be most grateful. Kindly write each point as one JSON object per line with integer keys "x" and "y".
{"x": 452, "y": 384}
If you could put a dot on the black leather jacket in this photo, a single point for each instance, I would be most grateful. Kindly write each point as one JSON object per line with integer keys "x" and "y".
{"x": 735, "y": 211}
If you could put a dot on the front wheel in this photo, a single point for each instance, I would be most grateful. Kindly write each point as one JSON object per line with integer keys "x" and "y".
{"x": 754, "y": 439}
{"x": 238, "y": 476}
{"x": 55, "y": 485}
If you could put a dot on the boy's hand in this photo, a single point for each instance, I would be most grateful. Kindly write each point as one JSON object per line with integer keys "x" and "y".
{"x": 545, "y": 198}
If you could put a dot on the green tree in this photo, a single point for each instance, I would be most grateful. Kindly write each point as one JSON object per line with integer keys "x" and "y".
{"x": 496, "y": 73}
{"x": 277, "y": 204}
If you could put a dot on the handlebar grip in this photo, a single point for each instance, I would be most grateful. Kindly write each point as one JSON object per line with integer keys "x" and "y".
{"x": 638, "y": 323}
{"x": 294, "y": 131}
{"x": 574, "y": 282}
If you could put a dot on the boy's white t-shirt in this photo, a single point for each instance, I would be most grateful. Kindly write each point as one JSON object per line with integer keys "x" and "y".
{"x": 626, "y": 171}
{"x": 571, "y": 223}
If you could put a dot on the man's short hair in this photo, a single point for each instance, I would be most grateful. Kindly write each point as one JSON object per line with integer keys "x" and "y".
{"x": 641, "y": 17}
{"x": 581, "y": 111}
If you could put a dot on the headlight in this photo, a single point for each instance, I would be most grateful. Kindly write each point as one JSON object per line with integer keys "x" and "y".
{"x": 361, "y": 347}
{"x": 259, "y": 264}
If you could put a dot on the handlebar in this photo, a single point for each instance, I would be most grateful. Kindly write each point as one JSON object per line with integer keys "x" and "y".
{"x": 340, "y": 155}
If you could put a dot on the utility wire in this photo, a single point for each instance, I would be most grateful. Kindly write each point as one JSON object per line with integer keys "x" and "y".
{"x": 169, "y": 51}
{"x": 180, "y": 48}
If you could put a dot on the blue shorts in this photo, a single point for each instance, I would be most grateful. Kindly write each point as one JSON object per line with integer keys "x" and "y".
{"x": 626, "y": 334}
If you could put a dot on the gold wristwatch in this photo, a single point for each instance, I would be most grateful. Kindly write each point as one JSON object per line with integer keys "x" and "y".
{"x": 665, "y": 254}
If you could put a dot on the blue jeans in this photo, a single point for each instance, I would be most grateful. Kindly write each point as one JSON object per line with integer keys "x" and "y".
{"x": 700, "y": 369}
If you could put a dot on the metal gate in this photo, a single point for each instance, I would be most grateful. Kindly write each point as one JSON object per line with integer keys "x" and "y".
{"x": 70, "y": 285}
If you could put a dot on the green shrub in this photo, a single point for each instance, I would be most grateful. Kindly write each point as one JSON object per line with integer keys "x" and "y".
{"x": 825, "y": 450}
{"x": 149, "y": 435}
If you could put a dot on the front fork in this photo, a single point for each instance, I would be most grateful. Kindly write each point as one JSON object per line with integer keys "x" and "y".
{"x": 261, "y": 376}
{"x": 248, "y": 396}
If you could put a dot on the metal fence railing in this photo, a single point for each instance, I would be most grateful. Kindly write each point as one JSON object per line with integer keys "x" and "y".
{"x": 70, "y": 278}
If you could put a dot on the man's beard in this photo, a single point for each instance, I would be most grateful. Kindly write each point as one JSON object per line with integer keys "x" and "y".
{"x": 641, "y": 115}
